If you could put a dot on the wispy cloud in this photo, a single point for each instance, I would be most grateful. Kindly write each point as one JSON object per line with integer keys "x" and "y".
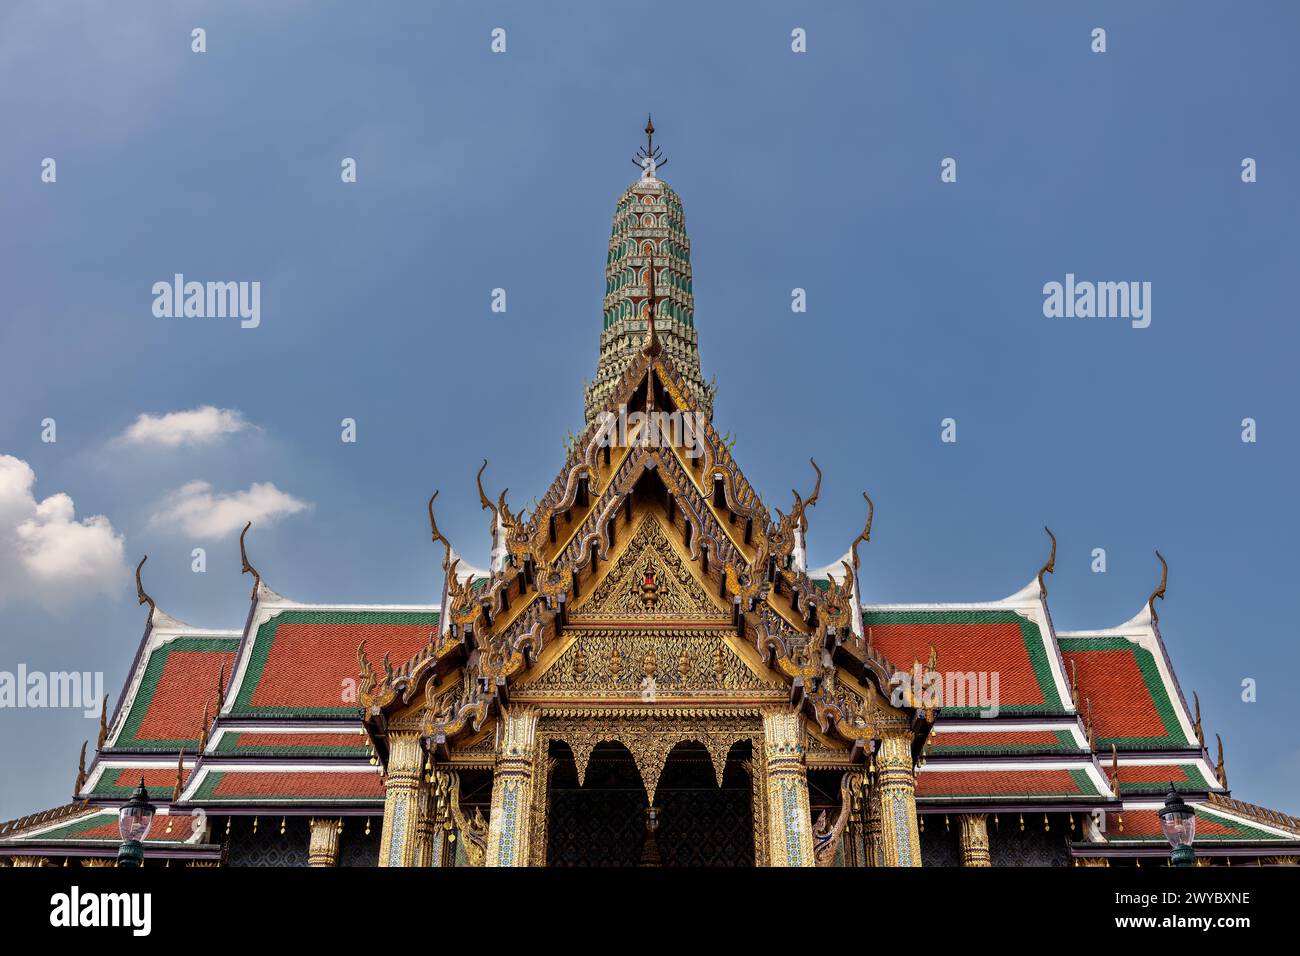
{"x": 197, "y": 511}
{"x": 46, "y": 555}
{"x": 198, "y": 426}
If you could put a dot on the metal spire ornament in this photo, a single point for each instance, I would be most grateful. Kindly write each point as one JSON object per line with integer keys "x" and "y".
{"x": 650, "y": 157}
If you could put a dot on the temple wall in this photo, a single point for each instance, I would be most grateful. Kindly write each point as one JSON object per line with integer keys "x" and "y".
{"x": 357, "y": 849}
{"x": 1009, "y": 846}
{"x": 268, "y": 847}
{"x": 940, "y": 844}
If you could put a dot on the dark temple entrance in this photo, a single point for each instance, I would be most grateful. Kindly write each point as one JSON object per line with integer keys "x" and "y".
{"x": 603, "y": 823}
{"x": 700, "y": 823}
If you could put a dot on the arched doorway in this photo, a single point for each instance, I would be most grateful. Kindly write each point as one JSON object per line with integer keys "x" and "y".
{"x": 601, "y": 822}
{"x": 701, "y": 823}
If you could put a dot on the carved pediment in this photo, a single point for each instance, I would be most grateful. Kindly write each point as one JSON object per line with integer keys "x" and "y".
{"x": 649, "y": 664}
{"x": 649, "y": 582}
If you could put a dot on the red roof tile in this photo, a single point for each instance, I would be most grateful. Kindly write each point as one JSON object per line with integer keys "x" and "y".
{"x": 180, "y": 679}
{"x": 1131, "y": 706}
{"x": 294, "y": 786}
{"x": 341, "y": 743}
{"x": 1002, "y": 741}
{"x": 304, "y": 662}
{"x": 973, "y": 642}
{"x": 1145, "y": 825}
{"x": 1004, "y": 783}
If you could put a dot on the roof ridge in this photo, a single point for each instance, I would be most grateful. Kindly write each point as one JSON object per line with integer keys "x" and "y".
{"x": 1254, "y": 812}
{"x": 42, "y": 817}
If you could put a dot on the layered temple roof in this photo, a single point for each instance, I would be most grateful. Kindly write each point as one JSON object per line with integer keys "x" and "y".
{"x": 268, "y": 718}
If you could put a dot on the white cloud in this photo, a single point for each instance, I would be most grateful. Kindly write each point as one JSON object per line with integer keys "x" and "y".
{"x": 46, "y": 554}
{"x": 197, "y": 511}
{"x": 198, "y": 426}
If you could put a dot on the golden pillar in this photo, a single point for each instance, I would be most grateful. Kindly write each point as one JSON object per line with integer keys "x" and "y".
{"x": 974, "y": 839}
{"x": 789, "y": 819}
{"x": 323, "y": 848}
{"x": 900, "y": 840}
{"x": 871, "y": 827}
{"x": 512, "y": 790}
{"x": 406, "y": 801}
{"x": 428, "y": 836}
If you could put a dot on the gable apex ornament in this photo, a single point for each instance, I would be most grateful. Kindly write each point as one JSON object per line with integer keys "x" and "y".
{"x": 1050, "y": 566}
{"x": 1159, "y": 592}
{"x": 243, "y": 558}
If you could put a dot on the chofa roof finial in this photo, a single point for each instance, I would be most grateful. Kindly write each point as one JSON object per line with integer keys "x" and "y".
{"x": 1050, "y": 566}
{"x": 140, "y": 592}
{"x": 1159, "y": 592}
{"x": 866, "y": 531}
{"x": 483, "y": 499}
{"x": 812, "y": 498}
{"x": 103, "y": 724}
{"x": 81, "y": 771}
{"x": 437, "y": 535}
{"x": 243, "y": 557}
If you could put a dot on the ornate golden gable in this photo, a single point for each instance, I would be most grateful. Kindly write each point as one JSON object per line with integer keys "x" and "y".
{"x": 649, "y": 582}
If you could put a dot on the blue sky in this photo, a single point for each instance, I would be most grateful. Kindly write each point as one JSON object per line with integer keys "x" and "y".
{"x": 820, "y": 171}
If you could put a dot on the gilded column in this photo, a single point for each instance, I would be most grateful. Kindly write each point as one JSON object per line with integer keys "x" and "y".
{"x": 871, "y": 826}
{"x": 512, "y": 790}
{"x": 428, "y": 830}
{"x": 323, "y": 847}
{"x": 974, "y": 839}
{"x": 900, "y": 840}
{"x": 789, "y": 819}
{"x": 406, "y": 801}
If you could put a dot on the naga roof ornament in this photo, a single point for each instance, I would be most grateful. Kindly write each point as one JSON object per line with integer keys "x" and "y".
{"x": 1050, "y": 566}
{"x": 243, "y": 558}
{"x": 1159, "y": 592}
{"x": 142, "y": 596}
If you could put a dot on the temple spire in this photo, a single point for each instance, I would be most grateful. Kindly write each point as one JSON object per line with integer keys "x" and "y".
{"x": 648, "y": 243}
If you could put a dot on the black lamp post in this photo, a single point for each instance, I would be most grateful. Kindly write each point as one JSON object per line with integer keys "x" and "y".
{"x": 1178, "y": 820}
{"x": 133, "y": 821}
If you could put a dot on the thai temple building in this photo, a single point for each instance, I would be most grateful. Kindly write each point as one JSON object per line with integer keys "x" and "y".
{"x": 649, "y": 674}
